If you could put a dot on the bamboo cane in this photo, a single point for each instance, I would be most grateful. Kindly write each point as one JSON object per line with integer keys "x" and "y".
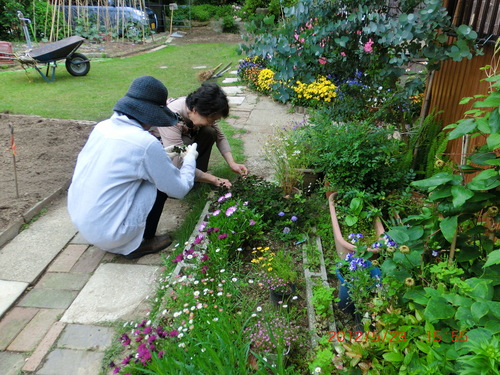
{"x": 13, "y": 149}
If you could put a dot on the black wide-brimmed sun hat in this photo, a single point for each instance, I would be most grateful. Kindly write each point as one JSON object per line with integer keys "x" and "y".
{"x": 146, "y": 101}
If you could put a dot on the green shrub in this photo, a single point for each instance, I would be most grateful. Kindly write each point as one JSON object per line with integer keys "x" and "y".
{"x": 229, "y": 25}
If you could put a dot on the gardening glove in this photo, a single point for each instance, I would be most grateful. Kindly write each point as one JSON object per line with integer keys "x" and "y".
{"x": 170, "y": 152}
{"x": 191, "y": 151}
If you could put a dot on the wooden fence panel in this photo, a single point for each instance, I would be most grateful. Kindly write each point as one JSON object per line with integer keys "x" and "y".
{"x": 454, "y": 81}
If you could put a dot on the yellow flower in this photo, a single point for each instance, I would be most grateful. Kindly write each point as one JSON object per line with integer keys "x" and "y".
{"x": 270, "y": 269}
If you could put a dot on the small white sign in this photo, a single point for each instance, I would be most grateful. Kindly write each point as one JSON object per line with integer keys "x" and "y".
{"x": 173, "y": 6}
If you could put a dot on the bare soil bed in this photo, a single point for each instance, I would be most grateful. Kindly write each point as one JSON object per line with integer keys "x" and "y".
{"x": 47, "y": 148}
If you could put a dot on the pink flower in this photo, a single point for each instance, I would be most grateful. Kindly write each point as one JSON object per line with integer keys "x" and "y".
{"x": 368, "y": 46}
{"x": 231, "y": 210}
{"x": 222, "y": 236}
{"x": 343, "y": 54}
{"x": 252, "y": 222}
{"x": 322, "y": 60}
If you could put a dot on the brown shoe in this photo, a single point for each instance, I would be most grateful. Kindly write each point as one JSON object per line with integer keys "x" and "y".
{"x": 150, "y": 246}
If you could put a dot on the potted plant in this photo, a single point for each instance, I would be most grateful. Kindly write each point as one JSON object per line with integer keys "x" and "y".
{"x": 277, "y": 273}
{"x": 288, "y": 156}
{"x": 358, "y": 278}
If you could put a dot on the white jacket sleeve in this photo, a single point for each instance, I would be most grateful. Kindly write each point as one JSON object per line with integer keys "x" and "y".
{"x": 165, "y": 175}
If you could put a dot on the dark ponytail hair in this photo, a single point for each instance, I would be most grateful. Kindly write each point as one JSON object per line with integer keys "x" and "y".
{"x": 209, "y": 100}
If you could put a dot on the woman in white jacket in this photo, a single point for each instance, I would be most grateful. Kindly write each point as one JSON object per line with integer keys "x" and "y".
{"x": 123, "y": 176}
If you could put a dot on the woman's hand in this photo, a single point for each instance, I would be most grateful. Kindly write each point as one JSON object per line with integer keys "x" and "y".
{"x": 238, "y": 168}
{"x": 222, "y": 182}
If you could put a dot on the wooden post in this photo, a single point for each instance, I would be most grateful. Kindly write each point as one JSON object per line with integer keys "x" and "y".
{"x": 172, "y": 6}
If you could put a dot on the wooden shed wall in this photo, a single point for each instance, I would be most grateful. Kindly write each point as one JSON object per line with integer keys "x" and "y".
{"x": 454, "y": 81}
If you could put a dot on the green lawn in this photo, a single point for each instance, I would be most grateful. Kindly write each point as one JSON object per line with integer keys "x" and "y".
{"x": 92, "y": 97}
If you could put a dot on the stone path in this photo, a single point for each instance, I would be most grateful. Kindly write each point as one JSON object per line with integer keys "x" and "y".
{"x": 60, "y": 295}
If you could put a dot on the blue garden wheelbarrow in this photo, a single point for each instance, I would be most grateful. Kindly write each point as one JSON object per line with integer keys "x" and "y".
{"x": 64, "y": 49}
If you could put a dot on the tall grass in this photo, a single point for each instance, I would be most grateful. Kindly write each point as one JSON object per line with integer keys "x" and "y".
{"x": 93, "y": 96}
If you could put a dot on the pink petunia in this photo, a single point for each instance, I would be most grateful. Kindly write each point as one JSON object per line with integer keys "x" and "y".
{"x": 368, "y": 46}
{"x": 322, "y": 60}
{"x": 343, "y": 54}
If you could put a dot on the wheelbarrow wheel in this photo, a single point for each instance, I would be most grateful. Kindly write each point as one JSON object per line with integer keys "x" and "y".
{"x": 77, "y": 65}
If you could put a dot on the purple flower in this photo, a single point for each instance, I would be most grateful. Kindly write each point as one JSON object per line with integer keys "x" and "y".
{"x": 228, "y": 195}
{"x": 286, "y": 230}
{"x": 376, "y": 245}
{"x": 178, "y": 258}
{"x": 222, "y": 236}
{"x": 173, "y": 333}
{"x": 435, "y": 253}
{"x": 281, "y": 213}
{"x": 252, "y": 222}
{"x": 198, "y": 239}
{"x": 204, "y": 257}
{"x": 293, "y": 218}
{"x": 125, "y": 339}
{"x": 203, "y": 226}
{"x": 216, "y": 212}
{"x": 231, "y": 210}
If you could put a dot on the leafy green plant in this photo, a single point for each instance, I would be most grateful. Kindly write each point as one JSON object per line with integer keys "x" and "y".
{"x": 229, "y": 25}
{"x": 323, "y": 299}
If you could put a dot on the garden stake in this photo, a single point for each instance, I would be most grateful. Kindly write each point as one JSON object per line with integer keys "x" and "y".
{"x": 13, "y": 149}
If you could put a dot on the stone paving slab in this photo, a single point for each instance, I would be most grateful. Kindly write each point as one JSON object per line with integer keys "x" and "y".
{"x": 48, "y": 298}
{"x": 23, "y": 260}
{"x": 74, "y": 362}
{"x": 112, "y": 293}
{"x": 235, "y": 100}
{"x": 11, "y": 363}
{"x": 230, "y": 80}
{"x": 10, "y": 291}
{"x": 89, "y": 260}
{"x": 67, "y": 281}
{"x": 13, "y": 323}
{"x": 35, "y": 330}
{"x": 67, "y": 259}
{"x": 86, "y": 337}
{"x": 233, "y": 90}
{"x": 43, "y": 348}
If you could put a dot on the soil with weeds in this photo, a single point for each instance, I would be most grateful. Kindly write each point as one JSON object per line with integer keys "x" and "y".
{"x": 47, "y": 148}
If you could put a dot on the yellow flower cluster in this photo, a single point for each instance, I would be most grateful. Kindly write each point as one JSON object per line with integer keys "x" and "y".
{"x": 265, "y": 80}
{"x": 321, "y": 90}
{"x": 265, "y": 259}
